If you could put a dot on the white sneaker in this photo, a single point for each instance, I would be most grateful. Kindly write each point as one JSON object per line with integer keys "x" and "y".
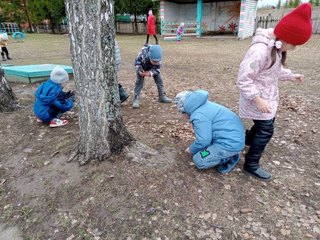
{"x": 56, "y": 122}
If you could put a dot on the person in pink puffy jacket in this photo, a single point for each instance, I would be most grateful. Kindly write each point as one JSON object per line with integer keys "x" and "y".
{"x": 260, "y": 71}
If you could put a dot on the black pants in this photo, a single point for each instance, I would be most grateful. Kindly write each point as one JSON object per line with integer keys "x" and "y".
{"x": 4, "y": 51}
{"x": 257, "y": 138}
{"x": 155, "y": 37}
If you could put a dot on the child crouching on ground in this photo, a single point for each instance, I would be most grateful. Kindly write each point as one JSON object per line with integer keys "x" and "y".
{"x": 219, "y": 132}
{"x": 148, "y": 64}
{"x": 51, "y": 102}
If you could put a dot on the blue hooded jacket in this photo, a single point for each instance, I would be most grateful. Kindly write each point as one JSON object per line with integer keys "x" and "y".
{"x": 49, "y": 99}
{"x": 213, "y": 124}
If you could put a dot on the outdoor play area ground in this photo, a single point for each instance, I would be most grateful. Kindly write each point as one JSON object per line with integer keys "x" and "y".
{"x": 42, "y": 196}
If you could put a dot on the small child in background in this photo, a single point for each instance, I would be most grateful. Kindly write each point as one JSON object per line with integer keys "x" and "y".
{"x": 3, "y": 44}
{"x": 51, "y": 102}
{"x": 148, "y": 64}
{"x": 180, "y": 32}
{"x": 258, "y": 78}
{"x": 219, "y": 132}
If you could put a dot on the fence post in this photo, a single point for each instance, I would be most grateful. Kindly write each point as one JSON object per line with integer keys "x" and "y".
{"x": 317, "y": 24}
{"x": 267, "y": 20}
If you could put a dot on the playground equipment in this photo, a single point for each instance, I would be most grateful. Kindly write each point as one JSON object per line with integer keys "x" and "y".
{"x": 31, "y": 73}
{"x": 12, "y": 29}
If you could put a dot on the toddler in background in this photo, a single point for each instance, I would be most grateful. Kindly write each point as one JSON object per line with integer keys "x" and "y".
{"x": 3, "y": 44}
{"x": 180, "y": 32}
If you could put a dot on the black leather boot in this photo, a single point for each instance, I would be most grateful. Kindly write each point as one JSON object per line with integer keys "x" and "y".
{"x": 123, "y": 94}
{"x": 258, "y": 137}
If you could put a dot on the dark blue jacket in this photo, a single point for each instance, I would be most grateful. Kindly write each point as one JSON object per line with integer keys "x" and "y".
{"x": 213, "y": 124}
{"x": 50, "y": 100}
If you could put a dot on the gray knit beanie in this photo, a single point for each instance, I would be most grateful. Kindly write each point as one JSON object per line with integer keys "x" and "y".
{"x": 179, "y": 100}
{"x": 59, "y": 75}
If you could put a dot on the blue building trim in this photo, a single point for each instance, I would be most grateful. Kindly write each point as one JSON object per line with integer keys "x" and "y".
{"x": 199, "y": 17}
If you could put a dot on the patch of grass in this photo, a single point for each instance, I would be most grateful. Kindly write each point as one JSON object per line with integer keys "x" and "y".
{"x": 84, "y": 235}
{"x": 26, "y": 212}
{"x": 64, "y": 222}
{"x": 38, "y": 163}
{"x": 7, "y": 213}
{"x": 1, "y": 191}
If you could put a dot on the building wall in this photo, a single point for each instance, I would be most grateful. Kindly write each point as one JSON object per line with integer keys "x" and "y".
{"x": 216, "y": 16}
{"x": 248, "y": 13}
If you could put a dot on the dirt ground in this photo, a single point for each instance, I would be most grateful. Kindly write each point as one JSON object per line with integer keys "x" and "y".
{"x": 42, "y": 196}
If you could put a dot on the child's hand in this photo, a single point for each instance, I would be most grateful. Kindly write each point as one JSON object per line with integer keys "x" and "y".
{"x": 297, "y": 78}
{"x": 262, "y": 105}
{"x": 144, "y": 74}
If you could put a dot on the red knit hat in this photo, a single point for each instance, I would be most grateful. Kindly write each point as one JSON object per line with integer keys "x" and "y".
{"x": 296, "y": 27}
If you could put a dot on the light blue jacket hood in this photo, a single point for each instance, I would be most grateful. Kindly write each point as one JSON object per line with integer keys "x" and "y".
{"x": 213, "y": 124}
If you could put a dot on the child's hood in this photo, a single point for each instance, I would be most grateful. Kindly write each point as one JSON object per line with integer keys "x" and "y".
{"x": 48, "y": 91}
{"x": 262, "y": 36}
{"x": 195, "y": 100}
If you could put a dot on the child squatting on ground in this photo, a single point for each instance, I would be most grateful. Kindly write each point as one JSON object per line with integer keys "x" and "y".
{"x": 51, "y": 102}
{"x": 180, "y": 32}
{"x": 148, "y": 64}
{"x": 3, "y": 44}
{"x": 219, "y": 132}
{"x": 258, "y": 77}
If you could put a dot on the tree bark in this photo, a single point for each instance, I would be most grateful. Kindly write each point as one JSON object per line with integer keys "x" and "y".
{"x": 27, "y": 15}
{"x": 8, "y": 102}
{"x": 92, "y": 34}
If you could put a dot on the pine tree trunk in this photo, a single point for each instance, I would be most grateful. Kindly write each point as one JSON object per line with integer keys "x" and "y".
{"x": 92, "y": 33}
{"x": 8, "y": 101}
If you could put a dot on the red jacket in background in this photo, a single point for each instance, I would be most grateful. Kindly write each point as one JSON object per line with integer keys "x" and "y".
{"x": 151, "y": 25}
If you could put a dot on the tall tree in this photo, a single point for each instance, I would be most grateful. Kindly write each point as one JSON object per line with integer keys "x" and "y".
{"x": 279, "y": 4}
{"x": 27, "y": 15}
{"x": 296, "y": 3}
{"x": 102, "y": 131}
{"x": 286, "y": 5}
{"x": 11, "y": 11}
{"x": 8, "y": 101}
{"x": 54, "y": 10}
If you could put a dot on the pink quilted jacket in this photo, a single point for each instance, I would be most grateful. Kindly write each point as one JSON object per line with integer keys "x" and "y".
{"x": 255, "y": 78}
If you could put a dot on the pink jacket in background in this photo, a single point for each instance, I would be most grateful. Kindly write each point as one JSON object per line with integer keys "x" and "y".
{"x": 255, "y": 78}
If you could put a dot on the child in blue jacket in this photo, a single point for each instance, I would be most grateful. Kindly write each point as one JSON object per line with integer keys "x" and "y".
{"x": 219, "y": 132}
{"x": 51, "y": 102}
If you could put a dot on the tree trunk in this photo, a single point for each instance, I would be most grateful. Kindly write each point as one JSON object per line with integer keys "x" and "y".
{"x": 27, "y": 15}
{"x": 53, "y": 25}
{"x": 136, "y": 23}
{"x": 92, "y": 34}
{"x": 8, "y": 101}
